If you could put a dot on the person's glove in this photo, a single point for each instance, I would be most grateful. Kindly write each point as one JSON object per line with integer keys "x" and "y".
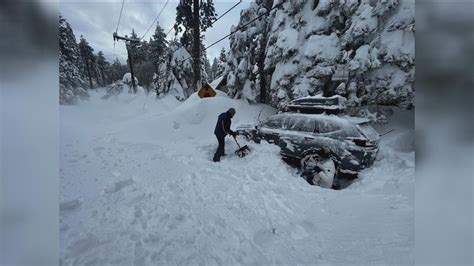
{"x": 233, "y": 134}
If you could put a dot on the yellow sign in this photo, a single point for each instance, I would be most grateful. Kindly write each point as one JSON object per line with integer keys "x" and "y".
{"x": 206, "y": 91}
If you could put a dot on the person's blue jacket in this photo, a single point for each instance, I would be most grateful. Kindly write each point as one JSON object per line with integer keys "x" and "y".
{"x": 223, "y": 125}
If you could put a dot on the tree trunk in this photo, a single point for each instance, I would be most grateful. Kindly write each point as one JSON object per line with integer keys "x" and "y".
{"x": 196, "y": 45}
{"x": 103, "y": 77}
{"x": 261, "y": 67}
{"x": 89, "y": 73}
{"x": 130, "y": 63}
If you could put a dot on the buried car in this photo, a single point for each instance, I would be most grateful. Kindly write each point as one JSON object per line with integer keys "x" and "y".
{"x": 352, "y": 143}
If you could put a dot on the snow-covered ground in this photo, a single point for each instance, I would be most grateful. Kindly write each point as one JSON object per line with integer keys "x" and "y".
{"x": 138, "y": 187}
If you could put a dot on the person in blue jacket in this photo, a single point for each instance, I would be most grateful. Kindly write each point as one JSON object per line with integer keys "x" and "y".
{"x": 222, "y": 129}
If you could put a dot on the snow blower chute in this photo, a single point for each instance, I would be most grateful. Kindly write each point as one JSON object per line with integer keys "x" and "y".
{"x": 242, "y": 151}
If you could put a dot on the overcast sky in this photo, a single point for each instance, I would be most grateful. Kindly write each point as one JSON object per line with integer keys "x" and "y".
{"x": 98, "y": 20}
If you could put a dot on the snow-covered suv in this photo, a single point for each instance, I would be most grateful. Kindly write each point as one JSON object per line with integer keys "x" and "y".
{"x": 352, "y": 142}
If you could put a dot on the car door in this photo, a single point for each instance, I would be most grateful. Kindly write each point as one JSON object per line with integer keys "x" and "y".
{"x": 298, "y": 136}
{"x": 269, "y": 130}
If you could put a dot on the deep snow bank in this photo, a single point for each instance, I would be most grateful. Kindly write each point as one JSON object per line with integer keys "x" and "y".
{"x": 138, "y": 187}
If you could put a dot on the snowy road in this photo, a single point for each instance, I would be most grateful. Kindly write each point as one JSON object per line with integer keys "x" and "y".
{"x": 138, "y": 187}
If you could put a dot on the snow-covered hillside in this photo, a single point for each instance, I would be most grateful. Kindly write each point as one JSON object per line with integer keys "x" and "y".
{"x": 363, "y": 50}
{"x": 138, "y": 186}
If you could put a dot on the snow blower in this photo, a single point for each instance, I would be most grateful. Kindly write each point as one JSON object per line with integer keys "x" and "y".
{"x": 242, "y": 151}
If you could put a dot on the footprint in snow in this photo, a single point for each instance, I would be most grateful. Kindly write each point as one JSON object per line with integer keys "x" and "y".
{"x": 117, "y": 186}
{"x": 176, "y": 125}
{"x": 68, "y": 206}
{"x": 264, "y": 236}
{"x": 299, "y": 232}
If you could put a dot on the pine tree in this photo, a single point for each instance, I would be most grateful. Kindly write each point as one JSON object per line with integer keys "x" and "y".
{"x": 137, "y": 49}
{"x": 95, "y": 70}
{"x": 71, "y": 80}
{"x": 102, "y": 67}
{"x": 222, "y": 62}
{"x": 184, "y": 20}
{"x": 207, "y": 68}
{"x": 174, "y": 76}
{"x": 87, "y": 54}
{"x": 117, "y": 70}
{"x": 214, "y": 69}
{"x": 157, "y": 47}
{"x": 223, "y": 56}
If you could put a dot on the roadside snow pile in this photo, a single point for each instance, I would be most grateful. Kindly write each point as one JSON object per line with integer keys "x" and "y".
{"x": 127, "y": 78}
{"x": 120, "y": 86}
{"x": 138, "y": 187}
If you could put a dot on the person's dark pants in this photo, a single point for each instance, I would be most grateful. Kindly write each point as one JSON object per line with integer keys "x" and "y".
{"x": 220, "y": 149}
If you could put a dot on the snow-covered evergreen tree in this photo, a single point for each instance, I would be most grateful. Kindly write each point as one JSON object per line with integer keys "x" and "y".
{"x": 248, "y": 45}
{"x": 185, "y": 22}
{"x": 306, "y": 44}
{"x": 221, "y": 64}
{"x": 87, "y": 54}
{"x": 117, "y": 70}
{"x": 71, "y": 80}
{"x": 175, "y": 74}
{"x": 103, "y": 68}
{"x": 214, "y": 69}
{"x": 157, "y": 47}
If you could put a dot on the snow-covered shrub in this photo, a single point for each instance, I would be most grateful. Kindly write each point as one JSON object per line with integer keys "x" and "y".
{"x": 383, "y": 6}
{"x": 323, "y": 48}
{"x": 363, "y": 23}
{"x": 365, "y": 59}
{"x": 127, "y": 79}
{"x": 374, "y": 117}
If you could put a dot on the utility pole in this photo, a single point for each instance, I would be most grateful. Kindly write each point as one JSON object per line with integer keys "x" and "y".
{"x": 128, "y": 41}
{"x": 197, "y": 44}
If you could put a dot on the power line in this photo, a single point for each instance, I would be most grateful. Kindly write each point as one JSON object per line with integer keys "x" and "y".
{"x": 120, "y": 16}
{"x": 156, "y": 18}
{"x": 238, "y": 29}
{"x": 240, "y": 1}
{"x": 170, "y": 30}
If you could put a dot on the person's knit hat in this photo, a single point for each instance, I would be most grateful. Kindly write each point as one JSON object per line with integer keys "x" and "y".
{"x": 231, "y": 111}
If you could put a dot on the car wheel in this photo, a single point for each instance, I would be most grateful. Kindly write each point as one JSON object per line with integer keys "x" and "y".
{"x": 326, "y": 177}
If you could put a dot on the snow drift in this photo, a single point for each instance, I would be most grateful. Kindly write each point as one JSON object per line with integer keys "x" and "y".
{"x": 138, "y": 187}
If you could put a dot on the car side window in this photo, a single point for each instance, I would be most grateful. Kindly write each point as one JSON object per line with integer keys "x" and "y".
{"x": 275, "y": 123}
{"x": 326, "y": 127}
{"x": 301, "y": 124}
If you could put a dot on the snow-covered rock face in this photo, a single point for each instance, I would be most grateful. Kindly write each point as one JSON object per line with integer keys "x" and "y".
{"x": 294, "y": 51}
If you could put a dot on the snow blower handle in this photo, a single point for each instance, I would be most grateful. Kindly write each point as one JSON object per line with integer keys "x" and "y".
{"x": 236, "y": 141}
